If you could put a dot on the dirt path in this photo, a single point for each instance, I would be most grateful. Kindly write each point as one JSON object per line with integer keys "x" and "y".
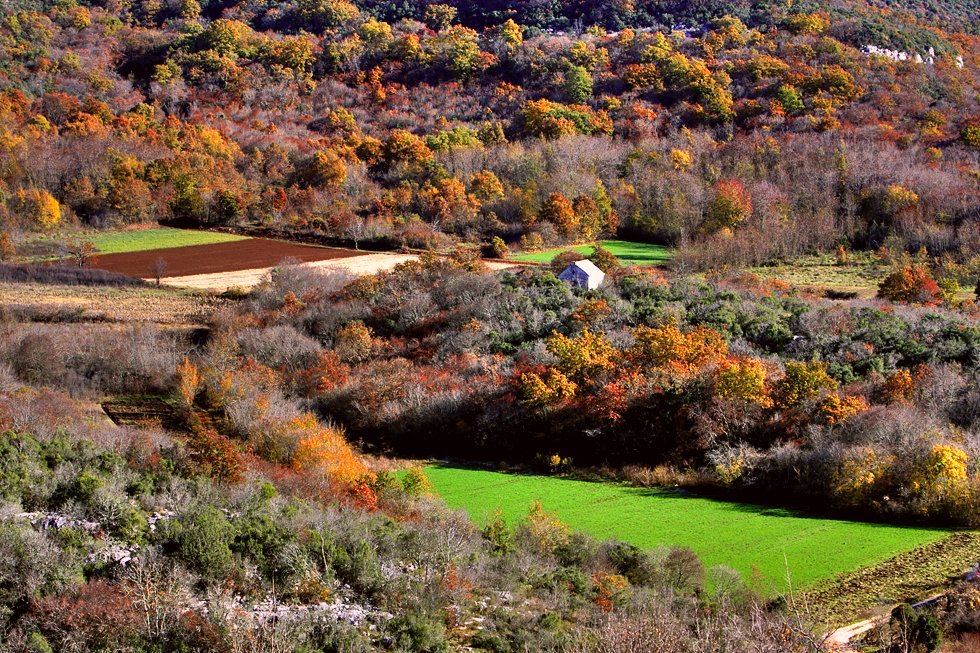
{"x": 839, "y": 641}
{"x": 361, "y": 265}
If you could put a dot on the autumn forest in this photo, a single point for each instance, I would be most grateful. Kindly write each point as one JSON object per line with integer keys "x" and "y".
{"x": 781, "y": 203}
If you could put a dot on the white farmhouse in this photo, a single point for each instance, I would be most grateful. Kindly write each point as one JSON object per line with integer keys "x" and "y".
{"x": 583, "y": 274}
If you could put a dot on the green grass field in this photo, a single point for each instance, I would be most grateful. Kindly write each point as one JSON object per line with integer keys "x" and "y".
{"x": 745, "y": 537}
{"x": 628, "y": 252}
{"x": 116, "y": 242}
{"x": 48, "y": 246}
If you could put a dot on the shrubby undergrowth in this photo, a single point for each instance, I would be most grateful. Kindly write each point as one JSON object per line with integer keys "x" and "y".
{"x": 118, "y": 538}
{"x": 746, "y": 385}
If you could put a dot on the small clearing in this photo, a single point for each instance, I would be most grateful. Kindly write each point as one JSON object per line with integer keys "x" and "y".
{"x": 629, "y": 252}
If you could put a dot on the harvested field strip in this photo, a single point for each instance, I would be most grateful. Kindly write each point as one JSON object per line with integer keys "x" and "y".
{"x": 245, "y": 254}
{"x": 909, "y": 576}
{"x": 167, "y": 307}
{"x": 219, "y": 281}
{"x": 143, "y": 412}
{"x": 748, "y": 538}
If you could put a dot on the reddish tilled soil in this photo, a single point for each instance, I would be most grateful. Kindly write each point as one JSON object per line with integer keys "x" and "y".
{"x": 220, "y": 257}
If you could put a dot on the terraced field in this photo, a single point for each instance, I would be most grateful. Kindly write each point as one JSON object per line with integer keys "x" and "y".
{"x": 751, "y": 539}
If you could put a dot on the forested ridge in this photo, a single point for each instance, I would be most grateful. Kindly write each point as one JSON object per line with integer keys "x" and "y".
{"x": 319, "y": 118}
{"x": 259, "y": 487}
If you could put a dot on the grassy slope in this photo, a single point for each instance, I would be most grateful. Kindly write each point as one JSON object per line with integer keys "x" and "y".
{"x": 823, "y": 272}
{"x": 626, "y": 251}
{"x": 909, "y": 576}
{"x": 819, "y": 272}
{"x": 115, "y": 242}
{"x": 744, "y": 537}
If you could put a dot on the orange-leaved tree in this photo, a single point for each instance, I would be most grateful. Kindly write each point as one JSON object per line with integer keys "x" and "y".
{"x": 609, "y": 590}
{"x": 911, "y": 284}
{"x": 899, "y": 387}
{"x": 189, "y": 383}
{"x": 731, "y": 205}
{"x": 323, "y": 452}
{"x": 836, "y": 408}
{"x": 668, "y": 347}
{"x": 215, "y": 456}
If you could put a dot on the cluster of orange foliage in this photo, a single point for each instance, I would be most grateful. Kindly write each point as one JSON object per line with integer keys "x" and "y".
{"x": 899, "y": 387}
{"x": 836, "y": 408}
{"x": 912, "y": 284}
{"x": 677, "y": 351}
{"x": 189, "y": 383}
{"x": 609, "y": 590}
{"x": 323, "y": 451}
{"x": 215, "y": 456}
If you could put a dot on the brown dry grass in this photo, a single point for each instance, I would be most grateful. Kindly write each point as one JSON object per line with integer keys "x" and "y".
{"x": 164, "y": 306}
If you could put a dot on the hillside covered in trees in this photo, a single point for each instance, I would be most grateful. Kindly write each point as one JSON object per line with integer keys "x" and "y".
{"x": 739, "y": 140}
{"x": 257, "y": 489}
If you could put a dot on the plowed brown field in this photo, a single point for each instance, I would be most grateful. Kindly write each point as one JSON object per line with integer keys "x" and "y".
{"x": 221, "y": 257}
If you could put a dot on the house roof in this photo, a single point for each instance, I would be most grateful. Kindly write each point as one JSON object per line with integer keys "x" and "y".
{"x": 588, "y": 267}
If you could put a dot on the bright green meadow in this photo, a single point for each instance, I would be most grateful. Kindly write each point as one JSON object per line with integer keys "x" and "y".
{"x": 116, "y": 242}
{"x": 744, "y": 537}
{"x": 626, "y": 251}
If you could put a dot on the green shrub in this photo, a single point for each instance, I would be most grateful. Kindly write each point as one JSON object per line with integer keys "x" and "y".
{"x": 419, "y": 633}
{"x": 498, "y": 533}
{"x": 631, "y": 561}
{"x": 204, "y": 543}
{"x": 36, "y": 643}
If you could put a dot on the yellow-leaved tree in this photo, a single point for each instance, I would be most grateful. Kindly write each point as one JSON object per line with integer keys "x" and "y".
{"x": 541, "y": 391}
{"x": 40, "y": 207}
{"x": 942, "y": 475}
{"x": 744, "y": 379}
{"x": 582, "y": 356}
